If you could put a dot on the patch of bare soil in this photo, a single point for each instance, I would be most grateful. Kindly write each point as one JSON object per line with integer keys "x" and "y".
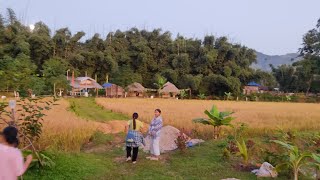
{"x": 114, "y": 127}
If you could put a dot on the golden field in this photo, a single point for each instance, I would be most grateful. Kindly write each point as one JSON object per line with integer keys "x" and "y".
{"x": 260, "y": 116}
{"x": 63, "y": 130}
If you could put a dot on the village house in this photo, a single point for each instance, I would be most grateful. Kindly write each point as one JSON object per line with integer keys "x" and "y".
{"x": 169, "y": 90}
{"x": 113, "y": 90}
{"x": 135, "y": 90}
{"x": 83, "y": 85}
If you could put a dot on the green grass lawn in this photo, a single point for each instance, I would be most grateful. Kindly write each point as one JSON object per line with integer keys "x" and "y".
{"x": 202, "y": 162}
{"x": 88, "y": 109}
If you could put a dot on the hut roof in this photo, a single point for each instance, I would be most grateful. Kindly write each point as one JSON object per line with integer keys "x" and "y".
{"x": 252, "y": 83}
{"x": 106, "y": 85}
{"x": 136, "y": 87}
{"x": 169, "y": 88}
{"x": 85, "y": 82}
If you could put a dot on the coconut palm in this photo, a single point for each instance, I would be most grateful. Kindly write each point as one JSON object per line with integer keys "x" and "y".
{"x": 216, "y": 119}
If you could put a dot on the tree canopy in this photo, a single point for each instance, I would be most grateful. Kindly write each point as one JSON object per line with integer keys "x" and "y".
{"x": 212, "y": 65}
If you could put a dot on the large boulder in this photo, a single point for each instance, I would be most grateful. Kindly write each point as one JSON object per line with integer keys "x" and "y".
{"x": 167, "y": 139}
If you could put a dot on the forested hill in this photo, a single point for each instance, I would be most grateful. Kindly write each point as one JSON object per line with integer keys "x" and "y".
{"x": 212, "y": 65}
{"x": 39, "y": 58}
{"x": 264, "y": 61}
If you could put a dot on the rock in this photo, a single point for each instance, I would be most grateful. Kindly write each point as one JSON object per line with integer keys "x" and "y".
{"x": 167, "y": 139}
{"x": 266, "y": 170}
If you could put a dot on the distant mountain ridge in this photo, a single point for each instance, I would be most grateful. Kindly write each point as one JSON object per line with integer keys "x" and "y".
{"x": 264, "y": 61}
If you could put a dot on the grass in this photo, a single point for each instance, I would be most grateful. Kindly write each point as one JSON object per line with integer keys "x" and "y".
{"x": 64, "y": 131}
{"x": 73, "y": 166}
{"x": 260, "y": 116}
{"x": 201, "y": 162}
{"x": 88, "y": 109}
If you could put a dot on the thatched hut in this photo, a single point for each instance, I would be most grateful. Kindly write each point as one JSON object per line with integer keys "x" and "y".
{"x": 135, "y": 90}
{"x": 169, "y": 90}
{"x": 82, "y": 85}
{"x": 113, "y": 90}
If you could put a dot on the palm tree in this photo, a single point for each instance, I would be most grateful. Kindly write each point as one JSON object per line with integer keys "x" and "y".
{"x": 216, "y": 119}
{"x": 161, "y": 81}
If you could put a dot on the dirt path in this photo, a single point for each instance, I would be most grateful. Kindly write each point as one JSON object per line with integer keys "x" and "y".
{"x": 114, "y": 127}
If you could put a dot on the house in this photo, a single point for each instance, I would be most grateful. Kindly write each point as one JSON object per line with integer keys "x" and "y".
{"x": 82, "y": 85}
{"x": 253, "y": 87}
{"x": 169, "y": 90}
{"x": 113, "y": 90}
{"x": 135, "y": 90}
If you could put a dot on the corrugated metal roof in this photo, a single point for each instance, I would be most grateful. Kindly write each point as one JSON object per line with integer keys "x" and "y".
{"x": 252, "y": 83}
{"x": 106, "y": 85}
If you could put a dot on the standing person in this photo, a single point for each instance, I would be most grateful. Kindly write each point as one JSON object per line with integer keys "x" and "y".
{"x": 134, "y": 138}
{"x": 154, "y": 132}
{"x": 11, "y": 159}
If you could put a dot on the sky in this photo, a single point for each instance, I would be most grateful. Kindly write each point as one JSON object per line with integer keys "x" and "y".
{"x": 273, "y": 27}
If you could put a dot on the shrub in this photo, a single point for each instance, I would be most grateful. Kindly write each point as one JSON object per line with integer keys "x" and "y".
{"x": 181, "y": 142}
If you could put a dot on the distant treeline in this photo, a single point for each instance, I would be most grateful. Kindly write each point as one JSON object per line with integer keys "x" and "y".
{"x": 37, "y": 58}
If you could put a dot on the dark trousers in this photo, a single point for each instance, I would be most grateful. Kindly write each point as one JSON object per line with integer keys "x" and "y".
{"x": 134, "y": 154}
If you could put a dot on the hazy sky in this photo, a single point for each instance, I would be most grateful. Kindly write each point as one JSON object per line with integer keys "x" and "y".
{"x": 269, "y": 26}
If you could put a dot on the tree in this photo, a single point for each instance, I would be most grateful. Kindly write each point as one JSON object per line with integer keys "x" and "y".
{"x": 54, "y": 72}
{"x": 212, "y": 65}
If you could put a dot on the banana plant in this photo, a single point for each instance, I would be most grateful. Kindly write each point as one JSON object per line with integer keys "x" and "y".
{"x": 216, "y": 119}
{"x": 202, "y": 96}
{"x": 243, "y": 151}
{"x": 228, "y": 95}
{"x": 296, "y": 159}
{"x": 161, "y": 81}
{"x": 183, "y": 94}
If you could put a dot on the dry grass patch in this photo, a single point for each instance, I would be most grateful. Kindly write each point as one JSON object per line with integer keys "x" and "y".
{"x": 260, "y": 116}
{"x": 63, "y": 130}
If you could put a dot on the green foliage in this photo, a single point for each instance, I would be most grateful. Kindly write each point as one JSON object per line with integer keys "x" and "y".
{"x": 43, "y": 161}
{"x": 28, "y": 117}
{"x": 88, "y": 109}
{"x": 212, "y": 65}
{"x": 216, "y": 119}
{"x": 243, "y": 151}
{"x": 295, "y": 159}
{"x": 202, "y": 96}
{"x": 228, "y": 95}
{"x": 183, "y": 94}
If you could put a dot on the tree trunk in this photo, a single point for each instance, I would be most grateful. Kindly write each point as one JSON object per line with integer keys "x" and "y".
{"x": 296, "y": 174}
{"x": 309, "y": 86}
